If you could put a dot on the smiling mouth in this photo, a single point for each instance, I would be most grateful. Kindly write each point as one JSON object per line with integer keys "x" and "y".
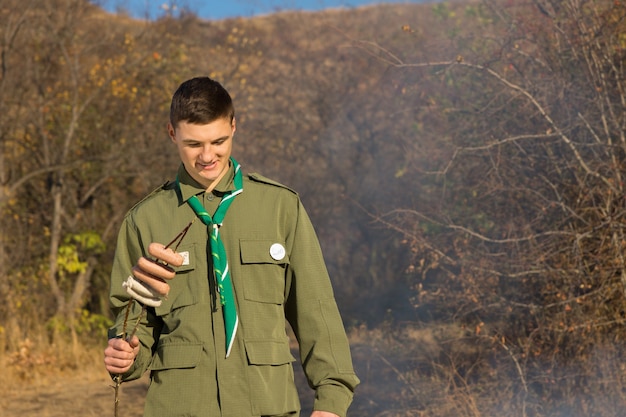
{"x": 207, "y": 166}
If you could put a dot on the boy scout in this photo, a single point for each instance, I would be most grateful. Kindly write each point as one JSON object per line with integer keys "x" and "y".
{"x": 213, "y": 332}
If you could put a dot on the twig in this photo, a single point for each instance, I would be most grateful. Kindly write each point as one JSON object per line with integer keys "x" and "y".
{"x": 136, "y": 326}
{"x": 399, "y": 374}
{"x": 520, "y": 372}
{"x": 118, "y": 377}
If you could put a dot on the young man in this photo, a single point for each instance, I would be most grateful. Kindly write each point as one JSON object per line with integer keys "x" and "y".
{"x": 213, "y": 304}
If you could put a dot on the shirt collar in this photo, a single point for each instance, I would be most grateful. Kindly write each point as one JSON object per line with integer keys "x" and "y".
{"x": 188, "y": 186}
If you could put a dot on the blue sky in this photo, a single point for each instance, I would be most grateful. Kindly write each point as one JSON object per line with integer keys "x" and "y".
{"x": 220, "y": 9}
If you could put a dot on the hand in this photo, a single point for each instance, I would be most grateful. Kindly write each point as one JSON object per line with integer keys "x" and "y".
{"x": 323, "y": 414}
{"x": 120, "y": 355}
{"x": 155, "y": 272}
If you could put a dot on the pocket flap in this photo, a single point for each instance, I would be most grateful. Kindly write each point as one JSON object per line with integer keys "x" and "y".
{"x": 176, "y": 356}
{"x": 268, "y": 352}
{"x": 263, "y": 251}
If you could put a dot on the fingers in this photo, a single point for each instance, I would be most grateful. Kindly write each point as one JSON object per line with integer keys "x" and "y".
{"x": 168, "y": 256}
{"x": 134, "y": 342}
{"x": 120, "y": 355}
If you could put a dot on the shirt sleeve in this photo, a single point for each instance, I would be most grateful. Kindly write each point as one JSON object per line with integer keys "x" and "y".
{"x": 313, "y": 314}
{"x": 128, "y": 251}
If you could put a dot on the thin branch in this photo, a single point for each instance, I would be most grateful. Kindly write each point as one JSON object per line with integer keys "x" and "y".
{"x": 476, "y": 234}
{"x": 388, "y": 57}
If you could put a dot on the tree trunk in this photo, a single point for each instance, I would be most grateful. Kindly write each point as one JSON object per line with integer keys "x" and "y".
{"x": 53, "y": 257}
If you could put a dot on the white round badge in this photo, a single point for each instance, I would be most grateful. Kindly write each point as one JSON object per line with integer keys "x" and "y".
{"x": 277, "y": 251}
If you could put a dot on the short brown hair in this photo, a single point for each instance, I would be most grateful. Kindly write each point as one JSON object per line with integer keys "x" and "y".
{"x": 200, "y": 100}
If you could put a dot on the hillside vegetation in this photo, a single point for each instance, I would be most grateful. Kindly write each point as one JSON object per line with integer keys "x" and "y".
{"x": 463, "y": 164}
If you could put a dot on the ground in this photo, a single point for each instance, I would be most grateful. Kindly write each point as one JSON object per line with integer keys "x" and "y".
{"x": 81, "y": 394}
{"x": 85, "y": 393}
{"x": 74, "y": 395}
{"x": 88, "y": 391}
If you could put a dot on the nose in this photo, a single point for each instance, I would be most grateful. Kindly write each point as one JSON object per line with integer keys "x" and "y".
{"x": 207, "y": 153}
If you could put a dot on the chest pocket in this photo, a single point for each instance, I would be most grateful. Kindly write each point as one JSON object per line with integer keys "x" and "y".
{"x": 263, "y": 266}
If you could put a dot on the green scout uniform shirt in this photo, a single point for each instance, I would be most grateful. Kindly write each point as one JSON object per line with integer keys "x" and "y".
{"x": 183, "y": 341}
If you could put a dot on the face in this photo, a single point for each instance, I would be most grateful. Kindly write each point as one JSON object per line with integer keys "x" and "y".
{"x": 204, "y": 149}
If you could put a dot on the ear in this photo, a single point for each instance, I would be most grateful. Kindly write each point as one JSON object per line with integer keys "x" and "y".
{"x": 171, "y": 132}
{"x": 234, "y": 126}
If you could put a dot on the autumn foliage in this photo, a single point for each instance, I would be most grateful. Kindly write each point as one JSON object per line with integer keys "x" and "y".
{"x": 463, "y": 164}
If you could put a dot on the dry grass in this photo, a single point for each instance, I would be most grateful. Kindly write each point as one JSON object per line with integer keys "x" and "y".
{"x": 435, "y": 371}
{"x": 58, "y": 380}
{"x": 448, "y": 371}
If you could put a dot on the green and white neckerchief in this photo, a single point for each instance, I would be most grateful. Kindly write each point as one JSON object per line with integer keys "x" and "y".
{"x": 218, "y": 253}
